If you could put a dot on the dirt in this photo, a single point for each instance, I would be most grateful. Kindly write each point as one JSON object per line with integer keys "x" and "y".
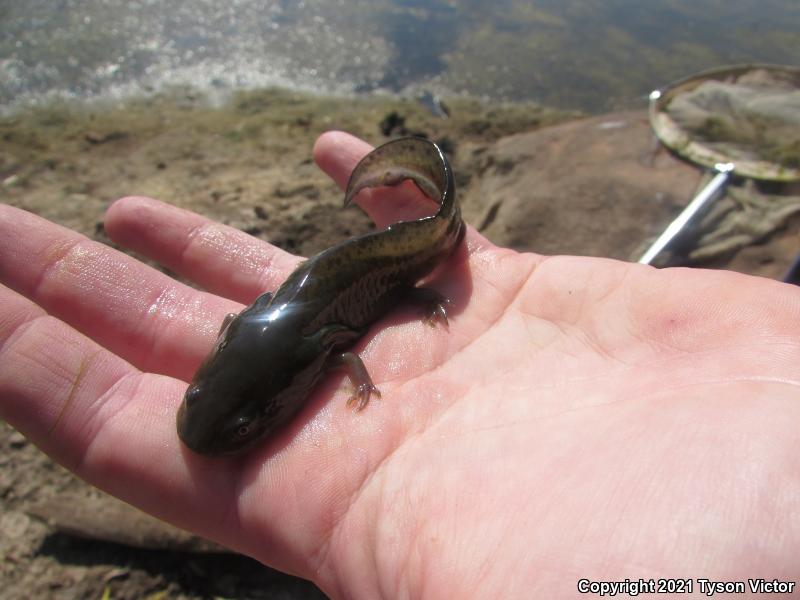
{"x": 530, "y": 178}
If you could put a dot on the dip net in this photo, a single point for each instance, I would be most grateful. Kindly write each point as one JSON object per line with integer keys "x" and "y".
{"x": 749, "y": 116}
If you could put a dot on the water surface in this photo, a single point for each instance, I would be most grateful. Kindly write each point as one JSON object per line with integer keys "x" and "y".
{"x": 582, "y": 54}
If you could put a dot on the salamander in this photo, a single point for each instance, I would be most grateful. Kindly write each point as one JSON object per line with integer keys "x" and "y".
{"x": 268, "y": 358}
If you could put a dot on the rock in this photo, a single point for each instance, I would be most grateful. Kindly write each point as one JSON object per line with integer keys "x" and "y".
{"x": 393, "y": 124}
{"x": 94, "y": 137}
{"x": 11, "y": 180}
{"x": 307, "y": 190}
{"x": 103, "y": 517}
{"x": 588, "y": 187}
{"x": 17, "y": 440}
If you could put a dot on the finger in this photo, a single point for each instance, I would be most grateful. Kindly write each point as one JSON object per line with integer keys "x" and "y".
{"x": 337, "y": 153}
{"x": 45, "y": 366}
{"x": 224, "y": 260}
{"x": 99, "y": 416}
{"x": 152, "y": 321}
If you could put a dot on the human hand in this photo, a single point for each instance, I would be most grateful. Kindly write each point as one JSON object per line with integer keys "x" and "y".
{"x": 582, "y": 418}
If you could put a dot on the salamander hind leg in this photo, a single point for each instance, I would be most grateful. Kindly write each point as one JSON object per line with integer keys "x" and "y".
{"x": 360, "y": 378}
{"x": 434, "y": 304}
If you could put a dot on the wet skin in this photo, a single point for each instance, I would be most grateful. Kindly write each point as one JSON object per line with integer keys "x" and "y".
{"x": 269, "y": 357}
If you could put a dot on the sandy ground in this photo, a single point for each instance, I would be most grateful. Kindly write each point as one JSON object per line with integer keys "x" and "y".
{"x": 589, "y": 186}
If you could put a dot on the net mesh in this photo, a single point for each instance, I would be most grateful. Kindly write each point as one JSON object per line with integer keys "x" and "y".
{"x": 755, "y": 117}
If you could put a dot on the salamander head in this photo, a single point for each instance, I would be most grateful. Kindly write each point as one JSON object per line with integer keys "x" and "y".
{"x": 246, "y": 388}
{"x": 215, "y": 422}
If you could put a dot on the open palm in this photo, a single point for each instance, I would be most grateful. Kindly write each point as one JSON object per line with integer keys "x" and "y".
{"x": 582, "y": 418}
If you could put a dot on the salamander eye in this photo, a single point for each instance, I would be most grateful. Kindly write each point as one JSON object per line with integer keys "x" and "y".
{"x": 243, "y": 428}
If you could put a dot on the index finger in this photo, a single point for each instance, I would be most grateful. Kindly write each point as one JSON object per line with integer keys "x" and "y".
{"x": 224, "y": 260}
{"x": 133, "y": 310}
{"x": 337, "y": 153}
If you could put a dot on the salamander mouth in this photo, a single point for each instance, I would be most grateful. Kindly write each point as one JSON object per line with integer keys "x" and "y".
{"x": 184, "y": 431}
{"x": 191, "y": 435}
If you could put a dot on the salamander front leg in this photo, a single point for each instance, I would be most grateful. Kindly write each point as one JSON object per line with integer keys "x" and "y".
{"x": 361, "y": 380}
{"x": 226, "y": 321}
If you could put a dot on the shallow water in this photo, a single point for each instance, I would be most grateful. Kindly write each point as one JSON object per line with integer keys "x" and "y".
{"x": 567, "y": 53}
